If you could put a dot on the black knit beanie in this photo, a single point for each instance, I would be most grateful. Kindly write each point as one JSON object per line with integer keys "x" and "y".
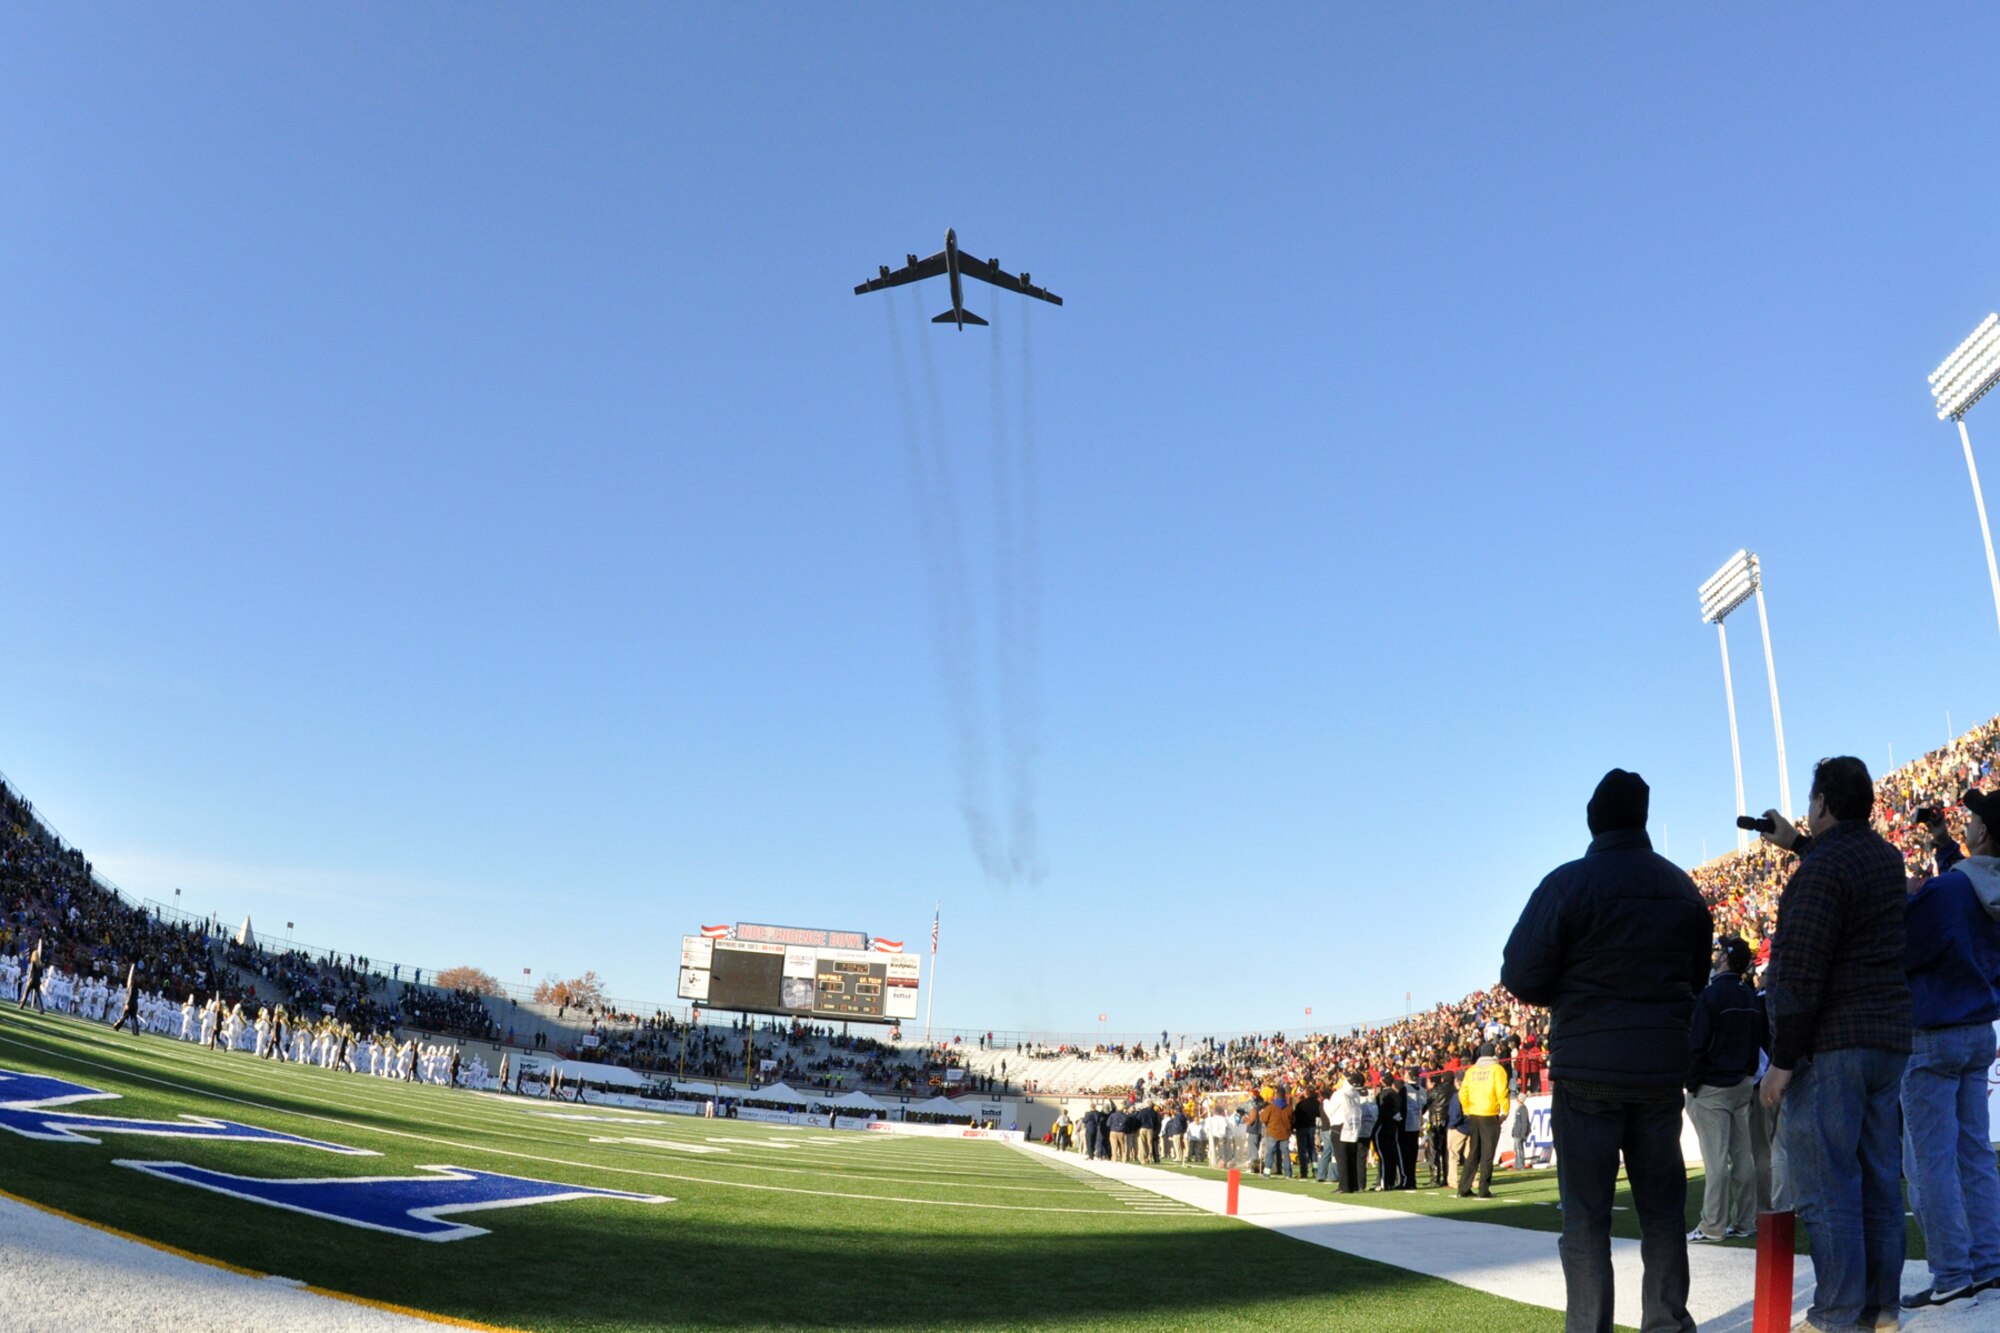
{"x": 1619, "y": 802}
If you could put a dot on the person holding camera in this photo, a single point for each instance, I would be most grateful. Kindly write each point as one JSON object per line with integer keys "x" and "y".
{"x": 1951, "y": 954}
{"x": 1841, "y": 1017}
{"x": 1616, "y": 944}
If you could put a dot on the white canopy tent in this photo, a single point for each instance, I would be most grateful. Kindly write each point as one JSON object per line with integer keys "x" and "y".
{"x": 939, "y": 1105}
{"x": 857, "y": 1101}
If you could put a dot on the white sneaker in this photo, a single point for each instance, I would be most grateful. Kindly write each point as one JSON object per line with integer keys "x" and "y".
{"x": 1700, "y": 1237}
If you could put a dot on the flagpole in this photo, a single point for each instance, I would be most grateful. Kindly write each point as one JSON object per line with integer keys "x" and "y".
{"x": 930, "y": 997}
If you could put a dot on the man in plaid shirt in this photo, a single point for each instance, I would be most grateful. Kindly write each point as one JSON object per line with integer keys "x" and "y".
{"x": 1841, "y": 1020}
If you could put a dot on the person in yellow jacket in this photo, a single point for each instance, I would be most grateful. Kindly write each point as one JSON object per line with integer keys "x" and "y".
{"x": 1482, "y": 1093}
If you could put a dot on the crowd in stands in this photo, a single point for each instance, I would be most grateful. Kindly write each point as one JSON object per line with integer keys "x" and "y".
{"x": 1741, "y": 888}
{"x": 806, "y": 1056}
{"x": 458, "y": 1013}
{"x": 48, "y": 897}
{"x": 344, "y": 990}
{"x": 1101, "y": 1051}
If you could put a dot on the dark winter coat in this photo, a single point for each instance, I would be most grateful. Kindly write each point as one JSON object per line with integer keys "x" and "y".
{"x": 1617, "y": 945}
{"x": 1730, "y": 1030}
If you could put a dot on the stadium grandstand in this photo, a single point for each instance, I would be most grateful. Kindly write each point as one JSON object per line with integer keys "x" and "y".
{"x": 67, "y": 938}
{"x": 51, "y": 899}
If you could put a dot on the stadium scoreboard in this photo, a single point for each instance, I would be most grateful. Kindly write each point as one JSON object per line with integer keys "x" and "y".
{"x": 799, "y": 973}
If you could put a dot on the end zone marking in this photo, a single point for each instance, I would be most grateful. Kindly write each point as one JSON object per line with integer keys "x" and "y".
{"x": 412, "y": 1206}
{"x": 388, "y": 1307}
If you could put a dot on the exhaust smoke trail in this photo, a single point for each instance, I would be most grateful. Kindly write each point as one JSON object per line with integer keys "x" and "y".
{"x": 1008, "y": 851}
{"x": 952, "y": 631}
{"x": 1014, "y": 546}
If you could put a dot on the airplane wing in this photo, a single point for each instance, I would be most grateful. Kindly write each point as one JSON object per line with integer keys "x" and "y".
{"x": 915, "y": 272}
{"x": 993, "y": 273}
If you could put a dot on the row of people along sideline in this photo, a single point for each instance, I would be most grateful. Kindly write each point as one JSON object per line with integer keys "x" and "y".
{"x": 1860, "y": 1063}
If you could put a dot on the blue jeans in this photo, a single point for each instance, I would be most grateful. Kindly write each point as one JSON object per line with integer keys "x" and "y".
{"x": 1947, "y": 1155}
{"x": 1324, "y": 1168}
{"x": 1277, "y": 1157}
{"x": 1842, "y": 1137}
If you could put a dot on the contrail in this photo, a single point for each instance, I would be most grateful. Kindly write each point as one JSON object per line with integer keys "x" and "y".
{"x": 952, "y": 630}
{"x": 1023, "y": 707}
{"x": 1013, "y": 507}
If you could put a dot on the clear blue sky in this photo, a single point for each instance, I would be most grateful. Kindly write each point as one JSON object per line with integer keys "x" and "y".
{"x": 451, "y": 499}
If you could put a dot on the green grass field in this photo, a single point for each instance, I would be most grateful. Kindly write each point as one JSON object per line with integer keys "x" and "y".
{"x": 769, "y": 1227}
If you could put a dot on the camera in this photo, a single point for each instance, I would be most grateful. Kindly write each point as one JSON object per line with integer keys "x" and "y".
{"x": 1928, "y": 814}
{"x": 1756, "y": 824}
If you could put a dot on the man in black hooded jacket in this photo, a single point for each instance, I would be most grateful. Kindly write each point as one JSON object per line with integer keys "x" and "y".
{"x": 1617, "y": 945}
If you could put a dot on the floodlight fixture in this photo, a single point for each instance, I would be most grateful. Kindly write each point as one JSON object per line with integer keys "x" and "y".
{"x": 1740, "y": 579}
{"x": 1729, "y": 587}
{"x": 1971, "y": 370}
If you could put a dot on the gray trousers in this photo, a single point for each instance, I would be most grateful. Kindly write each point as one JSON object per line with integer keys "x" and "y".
{"x": 1773, "y": 1194}
{"x": 1728, "y": 1157}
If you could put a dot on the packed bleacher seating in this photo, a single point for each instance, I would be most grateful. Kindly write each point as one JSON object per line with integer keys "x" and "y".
{"x": 342, "y": 989}
{"x": 49, "y": 897}
{"x": 453, "y": 1013}
{"x": 806, "y": 1056}
{"x": 1742, "y": 890}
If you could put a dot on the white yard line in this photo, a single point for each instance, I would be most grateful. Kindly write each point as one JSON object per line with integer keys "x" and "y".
{"x": 60, "y": 1275}
{"x": 1513, "y": 1262}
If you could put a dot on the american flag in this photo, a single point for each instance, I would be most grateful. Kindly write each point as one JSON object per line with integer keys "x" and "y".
{"x": 715, "y": 932}
{"x": 887, "y": 946}
{"x": 934, "y": 930}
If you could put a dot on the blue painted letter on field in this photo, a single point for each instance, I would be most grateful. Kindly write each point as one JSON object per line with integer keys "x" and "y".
{"x": 29, "y": 1106}
{"x": 401, "y": 1205}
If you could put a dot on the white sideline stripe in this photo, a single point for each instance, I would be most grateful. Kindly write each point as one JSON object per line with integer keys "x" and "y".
{"x": 1511, "y": 1262}
{"x": 57, "y": 1269}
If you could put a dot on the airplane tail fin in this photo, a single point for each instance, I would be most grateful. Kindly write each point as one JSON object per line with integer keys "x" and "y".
{"x": 951, "y": 317}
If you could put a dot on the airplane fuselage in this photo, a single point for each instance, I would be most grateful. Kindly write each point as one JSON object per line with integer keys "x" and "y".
{"x": 951, "y": 271}
{"x": 955, "y": 266}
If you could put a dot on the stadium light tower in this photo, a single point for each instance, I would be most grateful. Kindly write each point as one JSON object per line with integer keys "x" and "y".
{"x": 1740, "y": 579}
{"x": 1963, "y": 379}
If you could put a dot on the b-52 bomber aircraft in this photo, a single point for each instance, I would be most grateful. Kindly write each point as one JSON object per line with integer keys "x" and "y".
{"x": 954, "y": 262}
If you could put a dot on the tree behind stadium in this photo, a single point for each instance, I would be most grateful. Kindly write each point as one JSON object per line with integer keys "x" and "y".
{"x": 468, "y": 978}
{"x": 584, "y": 992}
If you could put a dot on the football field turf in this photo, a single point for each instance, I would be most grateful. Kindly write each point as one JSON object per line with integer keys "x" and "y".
{"x": 757, "y": 1226}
